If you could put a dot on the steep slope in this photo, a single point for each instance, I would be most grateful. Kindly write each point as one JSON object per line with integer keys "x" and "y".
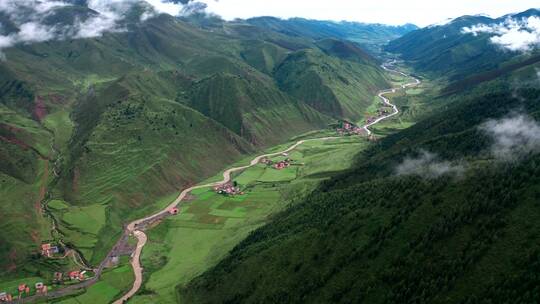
{"x": 253, "y": 108}
{"x": 118, "y": 122}
{"x": 341, "y": 85}
{"x": 450, "y": 51}
{"x": 399, "y": 228}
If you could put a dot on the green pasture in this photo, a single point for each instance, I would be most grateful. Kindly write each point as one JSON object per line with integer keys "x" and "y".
{"x": 81, "y": 225}
{"x": 211, "y": 225}
{"x": 113, "y": 284}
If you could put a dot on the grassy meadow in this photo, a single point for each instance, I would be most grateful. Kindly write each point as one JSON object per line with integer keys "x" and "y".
{"x": 210, "y": 225}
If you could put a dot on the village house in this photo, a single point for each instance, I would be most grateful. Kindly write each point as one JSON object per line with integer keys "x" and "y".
{"x": 174, "y": 211}
{"x": 58, "y": 277}
{"x": 5, "y": 297}
{"x": 48, "y": 250}
{"x": 228, "y": 189}
{"x": 348, "y": 128}
{"x": 23, "y": 288}
{"x": 283, "y": 164}
{"x": 76, "y": 275}
{"x": 41, "y": 288}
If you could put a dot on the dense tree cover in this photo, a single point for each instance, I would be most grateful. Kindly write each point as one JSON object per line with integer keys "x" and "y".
{"x": 445, "y": 50}
{"x": 374, "y": 237}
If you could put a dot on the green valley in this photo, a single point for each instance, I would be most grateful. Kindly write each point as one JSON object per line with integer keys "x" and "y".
{"x": 157, "y": 151}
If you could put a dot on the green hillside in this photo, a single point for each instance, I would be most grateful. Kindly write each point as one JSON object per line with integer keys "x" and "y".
{"x": 445, "y": 50}
{"x": 456, "y": 226}
{"x": 342, "y": 85}
{"x": 121, "y": 122}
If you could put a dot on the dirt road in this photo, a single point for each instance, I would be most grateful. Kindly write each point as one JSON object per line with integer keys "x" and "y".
{"x": 136, "y": 227}
{"x": 132, "y": 227}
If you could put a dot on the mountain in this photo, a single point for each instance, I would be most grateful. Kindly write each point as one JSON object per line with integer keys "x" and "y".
{"x": 370, "y": 36}
{"x": 340, "y": 85}
{"x": 442, "y": 212}
{"x": 115, "y": 124}
{"x": 450, "y": 51}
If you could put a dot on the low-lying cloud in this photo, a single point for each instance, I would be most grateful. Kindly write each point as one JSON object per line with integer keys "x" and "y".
{"x": 428, "y": 165}
{"x": 512, "y": 34}
{"x": 29, "y": 17}
{"x": 513, "y": 136}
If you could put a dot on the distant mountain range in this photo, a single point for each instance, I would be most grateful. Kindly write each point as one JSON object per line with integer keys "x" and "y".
{"x": 372, "y": 36}
{"x": 464, "y": 46}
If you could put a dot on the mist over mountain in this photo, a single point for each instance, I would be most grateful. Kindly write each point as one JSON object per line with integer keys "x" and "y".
{"x": 471, "y": 44}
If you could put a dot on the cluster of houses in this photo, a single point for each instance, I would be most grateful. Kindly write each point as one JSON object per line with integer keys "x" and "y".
{"x": 40, "y": 288}
{"x": 77, "y": 275}
{"x": 48, "y": 250}
{"x": 347, "y": 128}
{"x": 278, "y": 165}
{"x": 228, "y": 189}
{"x": 24, "y": 290}
{"x": 5, "y": 297}
{"x": 283, "y": 164}
{"x": 380, "y": 113}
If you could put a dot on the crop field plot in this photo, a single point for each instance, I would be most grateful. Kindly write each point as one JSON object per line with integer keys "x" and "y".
{"x": 11, "y": 286}
{"x": 207, "y": 228}
{"x": 81, "y": 225}
{"x": 273, "y": 175}
{"x": 113, "y": 283}
{"x": 210, "y": 225}
{"x": 61, "y": 125}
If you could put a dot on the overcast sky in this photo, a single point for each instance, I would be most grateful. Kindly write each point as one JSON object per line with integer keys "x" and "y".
{"x": 419, "y": 12}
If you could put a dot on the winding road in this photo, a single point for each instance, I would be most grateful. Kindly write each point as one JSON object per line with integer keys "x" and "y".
{"x": 137, "y": 227}
{"x": 141, "y": 236}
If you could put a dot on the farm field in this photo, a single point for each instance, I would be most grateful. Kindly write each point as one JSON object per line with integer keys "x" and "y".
{"x": 210, "y": 225}
{"x": 81, "y": 225}
{"x": 113, "y": 282}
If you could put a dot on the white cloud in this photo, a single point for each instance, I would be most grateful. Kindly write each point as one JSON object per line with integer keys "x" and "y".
{"x": 420, "y": 12}
{"x": 34, "y": 32}
{"x": 514, "y": 35}
{"x": 513, "y": 137}
{"x": 29, "y": 32}
{"x": 163, "y": 7}
{"x": 45, "y": 6}
{"x": 29, "y": 16}
{"x": 428, "y": 165}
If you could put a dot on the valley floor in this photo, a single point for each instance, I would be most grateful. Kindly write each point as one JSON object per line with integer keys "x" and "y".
{"x": 210, "y": 225}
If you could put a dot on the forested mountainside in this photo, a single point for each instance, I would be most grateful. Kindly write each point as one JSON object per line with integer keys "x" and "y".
{"x": 442, "y": 212}
{"x": 467, "y": 45}
{"x": 433, "y": 214}
{"x": 116, "y": 121}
